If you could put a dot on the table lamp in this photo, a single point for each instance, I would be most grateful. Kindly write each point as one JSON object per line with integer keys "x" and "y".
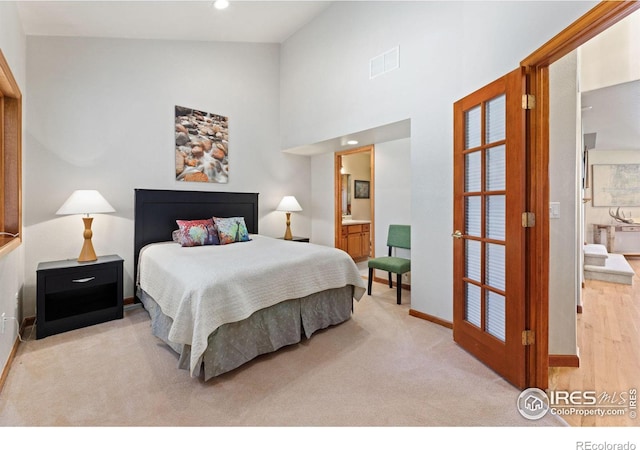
{"x": 289, "y": 204}
{"x": 86, "y": 202}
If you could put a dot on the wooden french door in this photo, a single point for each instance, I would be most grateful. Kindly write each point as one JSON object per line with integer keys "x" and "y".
{"x": 490, "y": 221}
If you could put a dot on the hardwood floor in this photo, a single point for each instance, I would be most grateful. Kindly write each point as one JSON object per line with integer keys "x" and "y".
{"x": 609, "y": 348}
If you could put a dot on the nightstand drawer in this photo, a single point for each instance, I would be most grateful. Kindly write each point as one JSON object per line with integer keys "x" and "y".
{"x": 80, "y": 279}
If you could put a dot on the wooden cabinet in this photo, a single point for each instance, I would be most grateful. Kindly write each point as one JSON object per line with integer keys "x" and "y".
{"x": 356, "y": 241}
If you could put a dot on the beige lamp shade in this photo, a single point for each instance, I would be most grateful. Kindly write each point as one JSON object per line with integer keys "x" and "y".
{"x": 86, "y": 202}
{"x": 289, "y": 204}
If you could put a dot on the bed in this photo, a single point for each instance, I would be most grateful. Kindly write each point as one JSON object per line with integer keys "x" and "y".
{"x": 220, "y": 306}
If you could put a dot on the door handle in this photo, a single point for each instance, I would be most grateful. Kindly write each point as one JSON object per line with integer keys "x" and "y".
{"x": 456, "y": 235}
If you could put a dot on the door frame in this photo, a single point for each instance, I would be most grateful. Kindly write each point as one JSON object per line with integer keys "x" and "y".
{"x": 337, "y": 183}
{"x": 592, "y": 23}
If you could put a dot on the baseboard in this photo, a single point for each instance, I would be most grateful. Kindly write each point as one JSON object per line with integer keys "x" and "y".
{"x": 7, "y": 366}
{"x": 430, "y": 318}
{"x": 564, "y": 361}
{"x": 5, "y": 370}
{"x": 386, "y": 281}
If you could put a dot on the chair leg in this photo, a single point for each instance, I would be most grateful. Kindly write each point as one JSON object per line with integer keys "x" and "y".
{"x": 390, "y": 282}
{"x": 370, "y": 280}
{"x": 399, "y": 287}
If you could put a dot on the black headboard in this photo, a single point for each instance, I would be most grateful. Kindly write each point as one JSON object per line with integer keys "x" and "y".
{"x": 156, "y": 212}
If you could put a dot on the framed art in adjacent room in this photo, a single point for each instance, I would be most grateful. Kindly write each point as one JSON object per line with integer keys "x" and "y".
{"x": 361, "y": 189}
{"x": 616, "y": 184}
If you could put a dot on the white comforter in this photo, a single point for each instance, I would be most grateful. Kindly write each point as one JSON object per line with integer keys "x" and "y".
{"x": 201, "y": 288}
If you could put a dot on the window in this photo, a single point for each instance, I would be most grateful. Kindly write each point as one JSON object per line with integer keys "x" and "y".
{"x": 10, "y": 160}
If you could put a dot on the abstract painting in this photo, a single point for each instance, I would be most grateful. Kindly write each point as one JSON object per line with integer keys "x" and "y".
{"x": 361, "y": 189}
{"x": 202, "y": 146}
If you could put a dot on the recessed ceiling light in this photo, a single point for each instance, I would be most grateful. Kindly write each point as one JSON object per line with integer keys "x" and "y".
{"x": 221, "y": 4}
{"x": 352, "y": 142}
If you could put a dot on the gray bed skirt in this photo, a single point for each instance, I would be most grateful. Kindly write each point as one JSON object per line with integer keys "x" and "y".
{"x": 265, "y": 331}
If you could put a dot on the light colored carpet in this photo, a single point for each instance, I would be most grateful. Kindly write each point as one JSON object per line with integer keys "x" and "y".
{"x": 380, "y": 368}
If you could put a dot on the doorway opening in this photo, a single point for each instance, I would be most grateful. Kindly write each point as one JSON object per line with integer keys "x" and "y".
{"x": 598, "y": 19}
{"x": 354, "y": 185}
{"x": 595, "y": 118}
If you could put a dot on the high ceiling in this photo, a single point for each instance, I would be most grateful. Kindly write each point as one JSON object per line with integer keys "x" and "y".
{"x": 242, "y": 21}
{"x": 613, "y": 114}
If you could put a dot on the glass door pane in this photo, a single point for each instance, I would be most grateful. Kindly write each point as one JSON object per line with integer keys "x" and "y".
{"x": 485, "y": 216}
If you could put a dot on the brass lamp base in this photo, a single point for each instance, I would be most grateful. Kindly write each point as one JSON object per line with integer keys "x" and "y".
{"x": 87, "y": 253}
{"x": 287, "y": 234}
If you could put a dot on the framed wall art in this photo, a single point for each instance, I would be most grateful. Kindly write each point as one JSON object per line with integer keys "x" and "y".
{"x": 361, "y": 189}
{"x": 616, "y": 184}
{"x": 202, "y": 146}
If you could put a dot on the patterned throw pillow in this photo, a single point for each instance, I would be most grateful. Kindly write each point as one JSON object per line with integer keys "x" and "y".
{"x": 197, "y": 232}
{"x": 231, "y": 229}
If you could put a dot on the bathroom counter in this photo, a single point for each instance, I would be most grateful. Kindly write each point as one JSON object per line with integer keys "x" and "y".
{"x": 355, "y": 222}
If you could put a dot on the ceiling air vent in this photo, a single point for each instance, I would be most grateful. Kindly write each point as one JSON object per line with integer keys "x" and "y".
{"x": 388, "y": 61}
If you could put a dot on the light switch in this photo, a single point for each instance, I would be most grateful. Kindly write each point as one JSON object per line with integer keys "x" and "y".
{"x": 554, "y": 210}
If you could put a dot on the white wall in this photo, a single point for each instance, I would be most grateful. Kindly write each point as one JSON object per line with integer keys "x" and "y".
{"x": 564, "y": 188}
{"x": 322, "y": 201}
{"x": 447, "y": 50}
{"x": 13, "y": 46}
{"x": 101, "y": 116}
{"x": 393, "y": 191}
{"x": 612, "y": 57}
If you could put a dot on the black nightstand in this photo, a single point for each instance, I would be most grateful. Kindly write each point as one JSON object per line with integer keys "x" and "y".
{"x": 71, "y": 294}
{"x": 298, "y": 239}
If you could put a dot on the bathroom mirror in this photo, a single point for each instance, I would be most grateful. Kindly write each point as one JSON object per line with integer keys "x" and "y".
{"x": 346, "y": 194}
